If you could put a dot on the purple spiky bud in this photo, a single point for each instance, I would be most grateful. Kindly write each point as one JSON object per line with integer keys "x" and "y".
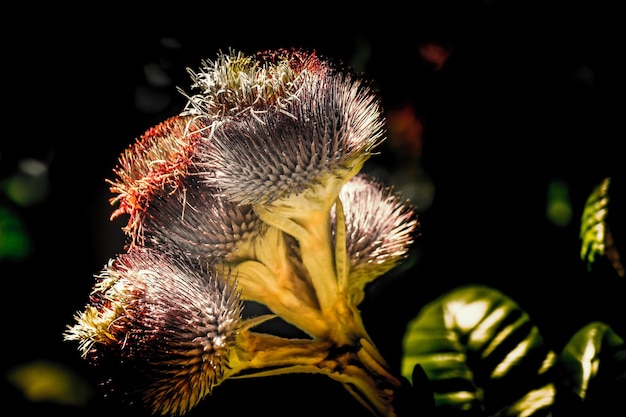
{"x": 300, "y": 120}
{"x": 159, "y": 326}
{"x": 380, "y": 227}
{"x": 200, "y": 223}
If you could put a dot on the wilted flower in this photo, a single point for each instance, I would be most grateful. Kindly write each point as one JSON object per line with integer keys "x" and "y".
{"x": 256, "y": 186}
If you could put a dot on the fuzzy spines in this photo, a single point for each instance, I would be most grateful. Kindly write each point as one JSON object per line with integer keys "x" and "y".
{"x": 330, "y": 130}
{"x": 381, "y": 227}
{"x": 200, "y": 223}
{"x": 235, "y": 83}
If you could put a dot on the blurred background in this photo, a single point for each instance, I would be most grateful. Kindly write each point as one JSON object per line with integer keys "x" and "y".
{"x": 502, "y": 115}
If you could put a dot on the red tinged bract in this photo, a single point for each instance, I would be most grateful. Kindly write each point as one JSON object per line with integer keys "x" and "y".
{"x": 158, "y": 160}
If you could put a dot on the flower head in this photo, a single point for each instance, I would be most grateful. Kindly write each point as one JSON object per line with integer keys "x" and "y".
{"x": 295, "y": 121}
{"x": 235, "y": 83}
{"x": 159, "y": 159}
{"x": 380, "y": 228}
{"x": 200, "y": 223}
{"x": 164, "y": 327}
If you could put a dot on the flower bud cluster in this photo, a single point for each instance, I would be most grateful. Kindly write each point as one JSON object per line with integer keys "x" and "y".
{"x": 253, "y": 192}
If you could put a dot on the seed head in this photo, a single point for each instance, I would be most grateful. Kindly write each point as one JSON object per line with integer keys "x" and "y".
{"x": 163, "y": 327}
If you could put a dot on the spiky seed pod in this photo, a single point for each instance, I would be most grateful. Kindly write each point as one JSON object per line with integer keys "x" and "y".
{"x": 158, "y": 160}
{"x": 325, "y": 127}
{"x": 200, "y": 223}
{"x": 380, "y": 228}
{"x": 167, "y": 330}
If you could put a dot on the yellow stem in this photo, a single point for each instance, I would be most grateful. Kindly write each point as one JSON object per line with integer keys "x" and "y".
{"x": 315, "y": 241}
{"x": 258, "y": 284}
{"x": 341, "y": 256}
{"x": 359, "y": 368}
{"x": 262, "y": 354}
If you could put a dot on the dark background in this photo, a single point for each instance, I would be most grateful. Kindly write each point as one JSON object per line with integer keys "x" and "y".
{"x": 531, "y": 93}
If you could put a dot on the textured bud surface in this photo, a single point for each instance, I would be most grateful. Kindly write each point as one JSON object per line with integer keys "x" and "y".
{"x": 199, "y": 222}
{"x": 380, "y": 227}
{"x": 169, "y": 328}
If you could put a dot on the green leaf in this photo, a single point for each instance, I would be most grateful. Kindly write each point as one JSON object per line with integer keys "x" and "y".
{"x": 14, "y": 241}
{"x": 595, "y": 232}
{"x": 482, "y": 355}
{"x": 593, "y": 369}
